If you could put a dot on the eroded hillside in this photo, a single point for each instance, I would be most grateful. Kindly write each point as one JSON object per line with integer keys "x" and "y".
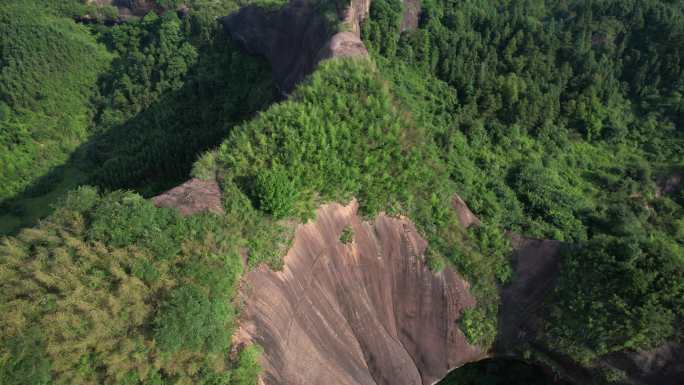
{"x": 544, "y": 117}
{"x": 368, "y": 311}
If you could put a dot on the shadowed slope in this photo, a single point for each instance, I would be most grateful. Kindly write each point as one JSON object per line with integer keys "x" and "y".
{"x": 296, "y": 37}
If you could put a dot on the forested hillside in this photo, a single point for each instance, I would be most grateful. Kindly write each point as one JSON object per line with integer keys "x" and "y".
{"x": 564, "y": 121}
{"x": 552, "y": 119}
{"x": 50, "y": 67}
{"x": 164, "y": 90}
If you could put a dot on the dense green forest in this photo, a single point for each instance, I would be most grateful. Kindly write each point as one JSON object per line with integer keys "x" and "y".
{"x": 50, "y": 66}
{"x": 552, "y": 119}
{"x": 112, "y": 290}
{"x": 563, "y": 120}
{"x": 164, "y": 90}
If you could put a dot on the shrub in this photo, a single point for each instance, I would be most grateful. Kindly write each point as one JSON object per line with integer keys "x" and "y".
{"x": 435, "y": 261}
{"x": 616, "y": 293}
{"x": 347, "y": 235}
{"x": 191, "y": 319}
{"x": 247, "y": 368}
{"x": 148, "y": 302}
{"x": 276, "y": 192}
{"x": 478, "y": 327}
{"x": 205, "y": 167}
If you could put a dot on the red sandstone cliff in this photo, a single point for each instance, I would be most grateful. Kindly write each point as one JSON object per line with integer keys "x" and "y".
{"x": 368, "y": 312}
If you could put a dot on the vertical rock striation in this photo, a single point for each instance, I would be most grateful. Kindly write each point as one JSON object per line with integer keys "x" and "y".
{"x": 368, "y": 312}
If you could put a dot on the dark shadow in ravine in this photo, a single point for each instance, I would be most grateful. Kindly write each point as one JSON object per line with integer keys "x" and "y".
{"x": 501, "y": 371}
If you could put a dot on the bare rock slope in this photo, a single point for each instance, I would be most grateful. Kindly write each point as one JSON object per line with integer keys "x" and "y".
{"x": 296, "y": 37}
{"x": 367, "y": 312}
{"x": 192, "y": 197}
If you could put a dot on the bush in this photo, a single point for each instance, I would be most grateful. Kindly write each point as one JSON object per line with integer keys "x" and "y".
{"x": 205, "y": 167}
{"x": 347, "y": 235}
{"x": 247, "y": 369}
{"x": 147, "y": 299}
{"x": 435, "y": 261}
{"x": 478, "y": 327}
{"x": 192, "y": 320}
{"x": 50, "y": 67}
{"x": 276, "y": 192}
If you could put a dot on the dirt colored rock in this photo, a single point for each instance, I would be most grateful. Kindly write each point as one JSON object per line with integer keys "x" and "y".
{"x": 354, "y": 15}
{"x": 671, "y": 184}
{"x": 343, "y": 44}
{"x": 128, "y": 8}
{"x": 411, "y": 14}
{"x": 465, "y": 216}
{"x": 366, "y": 312}
{"x": 191, "y": 197}
{"x": 296, "y": 37}
{"x": 536, "y": 263}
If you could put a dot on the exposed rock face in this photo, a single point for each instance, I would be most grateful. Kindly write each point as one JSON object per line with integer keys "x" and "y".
{"x": 354, "y": 15}
{"x": 536, "y": 265}
{"x": 129, "y": 8}
{"x": 296, "y": 37}
{"x": 343, "y": 44}
{"x": 411, "y": 15}
{"x": 671, "y": 184}
{"x": 465, "y": 216}
{"x": 368, "y": 312}
{"x": 191, "y": 197}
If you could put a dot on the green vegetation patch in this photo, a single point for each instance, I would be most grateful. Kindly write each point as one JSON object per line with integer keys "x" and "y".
{"x": 149, "y": 300}
{"x": 347, "y": 235}
{"x": 553, "y": 123}
{"x": 49, "y": 70}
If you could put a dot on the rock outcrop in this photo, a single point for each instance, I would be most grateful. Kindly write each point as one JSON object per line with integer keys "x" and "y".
{"x": 296, "y": 37}
{"x": 411, "y": 14}
{"x": 368, "y": 312}
{"x": 663, "y": 365}
{"x": 537, "y": 264}
{"x": 128, "y": 8}
{"x": 192, "y": 197}
{"x": 465, "y": 217}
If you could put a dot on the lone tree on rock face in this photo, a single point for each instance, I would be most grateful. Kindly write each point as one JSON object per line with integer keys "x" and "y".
{"x": 347, "y": 235}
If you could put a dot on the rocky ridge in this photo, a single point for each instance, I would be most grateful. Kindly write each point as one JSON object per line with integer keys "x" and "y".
{"x": 296, "y": 37}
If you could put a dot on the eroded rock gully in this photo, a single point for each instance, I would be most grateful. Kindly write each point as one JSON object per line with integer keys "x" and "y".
{"x": 368, "y": 312}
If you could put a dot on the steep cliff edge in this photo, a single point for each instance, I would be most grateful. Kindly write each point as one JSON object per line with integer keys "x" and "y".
{"x": 365, "y": 312}
{"x": 297, "y": 36}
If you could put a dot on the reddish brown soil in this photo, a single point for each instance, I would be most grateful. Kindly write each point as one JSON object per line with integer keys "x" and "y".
{"x": 411, "y": 14}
